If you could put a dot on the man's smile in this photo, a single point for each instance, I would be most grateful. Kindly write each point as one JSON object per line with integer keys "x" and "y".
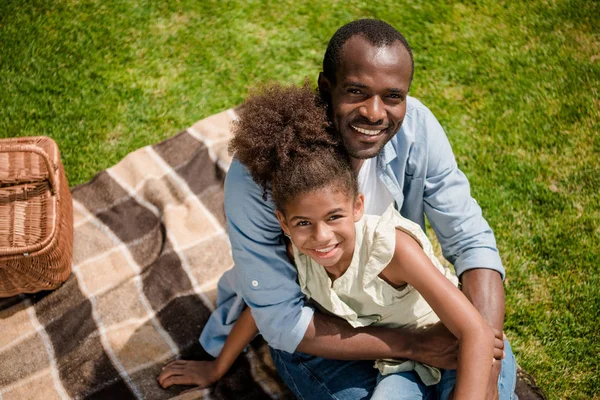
{"x": 369, "y": 132}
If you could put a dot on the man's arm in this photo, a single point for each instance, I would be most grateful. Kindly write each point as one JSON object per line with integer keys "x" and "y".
{"x": 483, "y": 287}
{"x": 262, "y": 274}
{"x": 332, "y": 337}
{"x": 467, "y": 240}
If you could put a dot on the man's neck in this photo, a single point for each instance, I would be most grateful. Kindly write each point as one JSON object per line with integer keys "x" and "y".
{"x": 356, "y": 164}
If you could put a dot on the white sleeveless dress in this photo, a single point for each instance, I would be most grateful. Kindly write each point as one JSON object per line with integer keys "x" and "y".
{"x": 362, "y": 298}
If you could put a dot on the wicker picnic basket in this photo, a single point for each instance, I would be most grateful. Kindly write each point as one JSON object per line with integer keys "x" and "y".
{"x": 36, "y": 216}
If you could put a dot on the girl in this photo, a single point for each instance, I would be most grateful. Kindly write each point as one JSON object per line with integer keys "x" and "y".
{"x": 369, "y": 270}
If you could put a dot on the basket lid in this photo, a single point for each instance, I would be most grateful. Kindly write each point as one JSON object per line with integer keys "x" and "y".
{"x": 27, "y": 217}
{"x": 27, "y": 200}
{"x": 27, "y": 159}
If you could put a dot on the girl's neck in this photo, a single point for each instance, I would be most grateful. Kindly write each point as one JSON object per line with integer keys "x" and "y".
{"x": 339, "y": 268}
{"x": 333, "y": 272}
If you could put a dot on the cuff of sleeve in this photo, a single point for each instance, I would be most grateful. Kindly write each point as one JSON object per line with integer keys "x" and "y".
{"x": 293, "y": 338}
{"x": 479, "y": 258}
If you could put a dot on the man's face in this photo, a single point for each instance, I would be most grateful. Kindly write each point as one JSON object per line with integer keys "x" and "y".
{"x": 368, "y": 99}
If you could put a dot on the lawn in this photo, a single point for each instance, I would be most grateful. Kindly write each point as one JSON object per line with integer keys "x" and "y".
{"x": 515, "y": 84}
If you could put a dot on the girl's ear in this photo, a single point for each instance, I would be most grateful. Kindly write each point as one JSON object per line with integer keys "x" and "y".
{"x": 359, "y": 207}
{"x": 282, "y": 222}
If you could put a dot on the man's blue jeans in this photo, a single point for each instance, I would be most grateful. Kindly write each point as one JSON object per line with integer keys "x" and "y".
{"x": 310, "y": 377}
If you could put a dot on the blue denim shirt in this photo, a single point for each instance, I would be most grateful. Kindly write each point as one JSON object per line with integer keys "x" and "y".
{"x": 418, "y": 168}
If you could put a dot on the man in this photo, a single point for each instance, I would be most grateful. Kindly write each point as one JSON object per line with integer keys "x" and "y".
{"x": 402, "y": 156}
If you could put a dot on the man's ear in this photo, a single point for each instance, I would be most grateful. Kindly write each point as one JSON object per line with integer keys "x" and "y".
{"x": 359, "y": 207}
{"x": 282, "y": 222}
{"x": 324, "y": 84}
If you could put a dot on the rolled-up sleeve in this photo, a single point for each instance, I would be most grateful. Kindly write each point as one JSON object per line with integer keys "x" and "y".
{"x": 264, "y": 277}
{"x": 465, "y": 236}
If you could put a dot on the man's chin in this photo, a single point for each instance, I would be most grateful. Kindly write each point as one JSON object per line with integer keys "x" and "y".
{"x": 363, "y": 152}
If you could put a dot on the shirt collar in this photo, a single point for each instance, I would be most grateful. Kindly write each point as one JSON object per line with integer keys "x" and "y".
{"x": 387, "y": 154}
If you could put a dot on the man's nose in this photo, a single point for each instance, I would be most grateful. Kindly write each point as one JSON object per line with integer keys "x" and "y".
{"x": 373, "y": 109}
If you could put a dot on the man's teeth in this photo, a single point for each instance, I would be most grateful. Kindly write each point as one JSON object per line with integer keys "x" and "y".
{"x": 367, "y": 131}
{"x": 326, "y": 250}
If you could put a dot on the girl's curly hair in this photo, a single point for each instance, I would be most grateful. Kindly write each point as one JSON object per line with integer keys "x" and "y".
{"x": 284, "y": 138}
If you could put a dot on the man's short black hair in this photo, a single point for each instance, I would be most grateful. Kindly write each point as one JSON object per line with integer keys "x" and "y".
{"x": 375, "y": 31}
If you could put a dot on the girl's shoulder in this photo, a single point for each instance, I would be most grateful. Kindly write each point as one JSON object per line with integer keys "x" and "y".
{"x": 383, "y": 228}
{"x": 383, "y": 241}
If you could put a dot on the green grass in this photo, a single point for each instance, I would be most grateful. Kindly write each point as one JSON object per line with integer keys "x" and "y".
{"x": 516, "y": 85}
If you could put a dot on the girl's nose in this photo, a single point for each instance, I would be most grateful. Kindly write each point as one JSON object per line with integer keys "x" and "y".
{"x": 322, "y": 232}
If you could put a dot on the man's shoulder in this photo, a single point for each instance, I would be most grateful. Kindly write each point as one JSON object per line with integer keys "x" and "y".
{"x": 415, "y": 107}
{"x": 419, "y": 129}
{"x": 416, "y": 125}
{"x": 413, "y": 102}
{"x": 248, "y": 206}
{"x": 240, "y": 187}
{"x": 238, "y": 178}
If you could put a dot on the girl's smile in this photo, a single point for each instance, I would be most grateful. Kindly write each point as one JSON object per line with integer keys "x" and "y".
{"x": 324, "y": 253}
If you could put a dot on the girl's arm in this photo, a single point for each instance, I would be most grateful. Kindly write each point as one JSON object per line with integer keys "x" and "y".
{"x": 242, "y": 333}
{"x": 205, "y": 373}
{"x": 410, "y": 264}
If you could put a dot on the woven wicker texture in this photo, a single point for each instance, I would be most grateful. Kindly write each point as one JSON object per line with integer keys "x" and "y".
{"x": 36, "y": 216}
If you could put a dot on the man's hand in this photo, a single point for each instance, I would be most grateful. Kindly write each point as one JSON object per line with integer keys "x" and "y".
{"x": 436, "y": 346}
{"x": 499, "y": 339}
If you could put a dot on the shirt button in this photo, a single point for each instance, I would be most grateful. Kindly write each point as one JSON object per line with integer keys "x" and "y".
{"x": 255, "y": 283}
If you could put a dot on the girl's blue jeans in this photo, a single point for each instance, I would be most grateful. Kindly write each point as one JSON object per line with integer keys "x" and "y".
{"x": 310, "y": 377}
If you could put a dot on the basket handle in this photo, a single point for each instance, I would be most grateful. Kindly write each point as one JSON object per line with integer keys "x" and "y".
{"x": 35, "y": 149}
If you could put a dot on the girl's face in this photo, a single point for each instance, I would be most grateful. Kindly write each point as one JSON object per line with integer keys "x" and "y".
{"x": 321, "y": 225}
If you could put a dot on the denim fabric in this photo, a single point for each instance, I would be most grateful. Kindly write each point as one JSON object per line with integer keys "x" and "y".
{"x": 508, "y": 375}
{"x": 402, "y": 386}
{"x": 418, "y": 168}
{"x": 310, "y": 377}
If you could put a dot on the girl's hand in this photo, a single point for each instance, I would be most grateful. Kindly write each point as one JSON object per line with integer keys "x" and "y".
{"x": 181, "y": 372}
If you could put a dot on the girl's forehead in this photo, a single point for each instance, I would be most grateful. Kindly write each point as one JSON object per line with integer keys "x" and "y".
{"x": 326, "y": 198}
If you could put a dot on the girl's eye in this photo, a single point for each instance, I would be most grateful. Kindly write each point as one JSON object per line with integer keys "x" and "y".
{"x": 303, "y": 223}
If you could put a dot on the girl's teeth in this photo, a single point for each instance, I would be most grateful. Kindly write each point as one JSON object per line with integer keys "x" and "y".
{"x": 366, "y": 131}
{"x": 327, "y": 250}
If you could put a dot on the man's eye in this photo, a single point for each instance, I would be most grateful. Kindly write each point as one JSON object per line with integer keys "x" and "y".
{"x": 354, "y": 91}
{"x": 396, "y": 96}
{"x": 334, "y": 217}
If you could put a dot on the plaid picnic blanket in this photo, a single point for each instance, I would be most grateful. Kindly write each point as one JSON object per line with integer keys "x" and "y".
{"x": 150, "y": 245}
